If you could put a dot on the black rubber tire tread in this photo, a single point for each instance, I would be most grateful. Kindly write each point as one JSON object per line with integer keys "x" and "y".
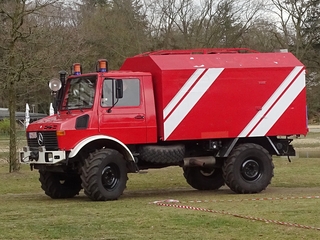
{"x": 196, "y": 179}
{"x": 60, "y": 185}
{"x": 232, "y": 169}
{"x": 162, "y": 154}
{"x": 92, "y": 175}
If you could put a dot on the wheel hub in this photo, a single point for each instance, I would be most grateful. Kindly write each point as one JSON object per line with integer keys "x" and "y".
{"x": 250, "y": 170}
{"x": 110, "y": 177}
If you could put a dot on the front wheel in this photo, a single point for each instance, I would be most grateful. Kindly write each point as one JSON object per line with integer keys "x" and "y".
{"x": 104, "y": 175}
{"x": 60, "y": 185}
{"x": 249, "y": 169}
{"x": 204, "y": 178}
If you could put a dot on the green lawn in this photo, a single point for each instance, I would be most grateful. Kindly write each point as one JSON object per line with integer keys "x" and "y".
{"x": 27, "y": 213}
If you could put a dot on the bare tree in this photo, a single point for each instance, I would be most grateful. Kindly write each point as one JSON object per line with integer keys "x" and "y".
{"x": 299, "y": 22}
{"x": 262, "y": 36}
{"x": 293, "y": 18}
{"x": 14, "y": 38}
{"x": 210, "y": 23}
{"x": 113, "y": 31}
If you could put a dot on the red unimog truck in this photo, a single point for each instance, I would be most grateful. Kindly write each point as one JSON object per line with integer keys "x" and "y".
{"x": 220, "y": 114}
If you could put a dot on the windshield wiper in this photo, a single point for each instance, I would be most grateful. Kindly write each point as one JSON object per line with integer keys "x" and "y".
{"x": 80, "y": 107}
{"x": 76, "y": 106}
{"x": 67, "y": 107}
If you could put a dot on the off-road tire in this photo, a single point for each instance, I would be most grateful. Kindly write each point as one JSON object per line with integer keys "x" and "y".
{"x": 60, "y": 185}
{"x": 104, "y": 175}
{"x": 172, "y": 154}
{"x": 204, "y": 178}
{"x": 248, "y": 169}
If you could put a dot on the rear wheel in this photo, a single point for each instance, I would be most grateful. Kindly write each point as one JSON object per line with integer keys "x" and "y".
{"x": 249, "y": 169}
{"x": 204, "y": 178}
{"x": 60, "y": 185}
{"x": 104, "y": 175}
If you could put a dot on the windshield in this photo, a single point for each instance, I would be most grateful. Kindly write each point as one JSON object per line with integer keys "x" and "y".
{"x": 79, "y": 93}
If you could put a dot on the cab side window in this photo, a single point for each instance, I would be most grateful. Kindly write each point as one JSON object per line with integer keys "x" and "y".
{"x": 131, "y": 93}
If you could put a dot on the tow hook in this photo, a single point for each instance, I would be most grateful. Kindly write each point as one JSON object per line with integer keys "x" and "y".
{"x": 34, "y": 156}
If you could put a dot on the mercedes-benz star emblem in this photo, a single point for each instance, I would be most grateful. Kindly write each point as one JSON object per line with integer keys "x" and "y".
{"x": 40, "y": 139}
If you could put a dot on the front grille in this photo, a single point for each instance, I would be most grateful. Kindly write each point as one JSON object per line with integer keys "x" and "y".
{"x": 50, "y": 141}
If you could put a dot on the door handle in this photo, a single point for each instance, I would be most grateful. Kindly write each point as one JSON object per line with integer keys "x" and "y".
{"x": 139, "y": 117}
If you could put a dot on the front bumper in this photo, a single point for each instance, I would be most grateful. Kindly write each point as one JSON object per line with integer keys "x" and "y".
{"x": 41, "y": 156}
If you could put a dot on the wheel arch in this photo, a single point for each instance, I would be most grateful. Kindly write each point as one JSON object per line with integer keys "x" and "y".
{"x": 101, "y": 141}
{"x": 269, "y": 143}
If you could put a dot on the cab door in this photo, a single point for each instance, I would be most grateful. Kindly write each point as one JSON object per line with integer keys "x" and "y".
{"x": 124, "y": 118}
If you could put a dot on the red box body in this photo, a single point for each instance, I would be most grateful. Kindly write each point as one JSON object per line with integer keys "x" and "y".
{"x": 227, "y": 95}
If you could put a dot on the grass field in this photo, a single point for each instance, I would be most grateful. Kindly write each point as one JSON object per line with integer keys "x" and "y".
{"x": 27, "y": 213}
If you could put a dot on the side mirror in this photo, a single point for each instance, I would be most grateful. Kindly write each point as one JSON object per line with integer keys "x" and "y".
{"x": 119, "y": 88}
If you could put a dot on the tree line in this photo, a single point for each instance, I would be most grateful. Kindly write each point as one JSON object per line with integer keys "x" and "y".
{"x": 38, "y": 38}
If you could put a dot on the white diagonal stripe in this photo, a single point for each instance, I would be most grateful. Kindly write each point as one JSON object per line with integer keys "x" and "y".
{"x": 270, "y": 102}
{"x": 175, "y": 100}
{"x": 190, "y": 100}
{"x": 279, "y": 108}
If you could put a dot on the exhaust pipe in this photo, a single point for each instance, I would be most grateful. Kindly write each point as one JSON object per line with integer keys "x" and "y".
{"x": 199, "y": 161}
